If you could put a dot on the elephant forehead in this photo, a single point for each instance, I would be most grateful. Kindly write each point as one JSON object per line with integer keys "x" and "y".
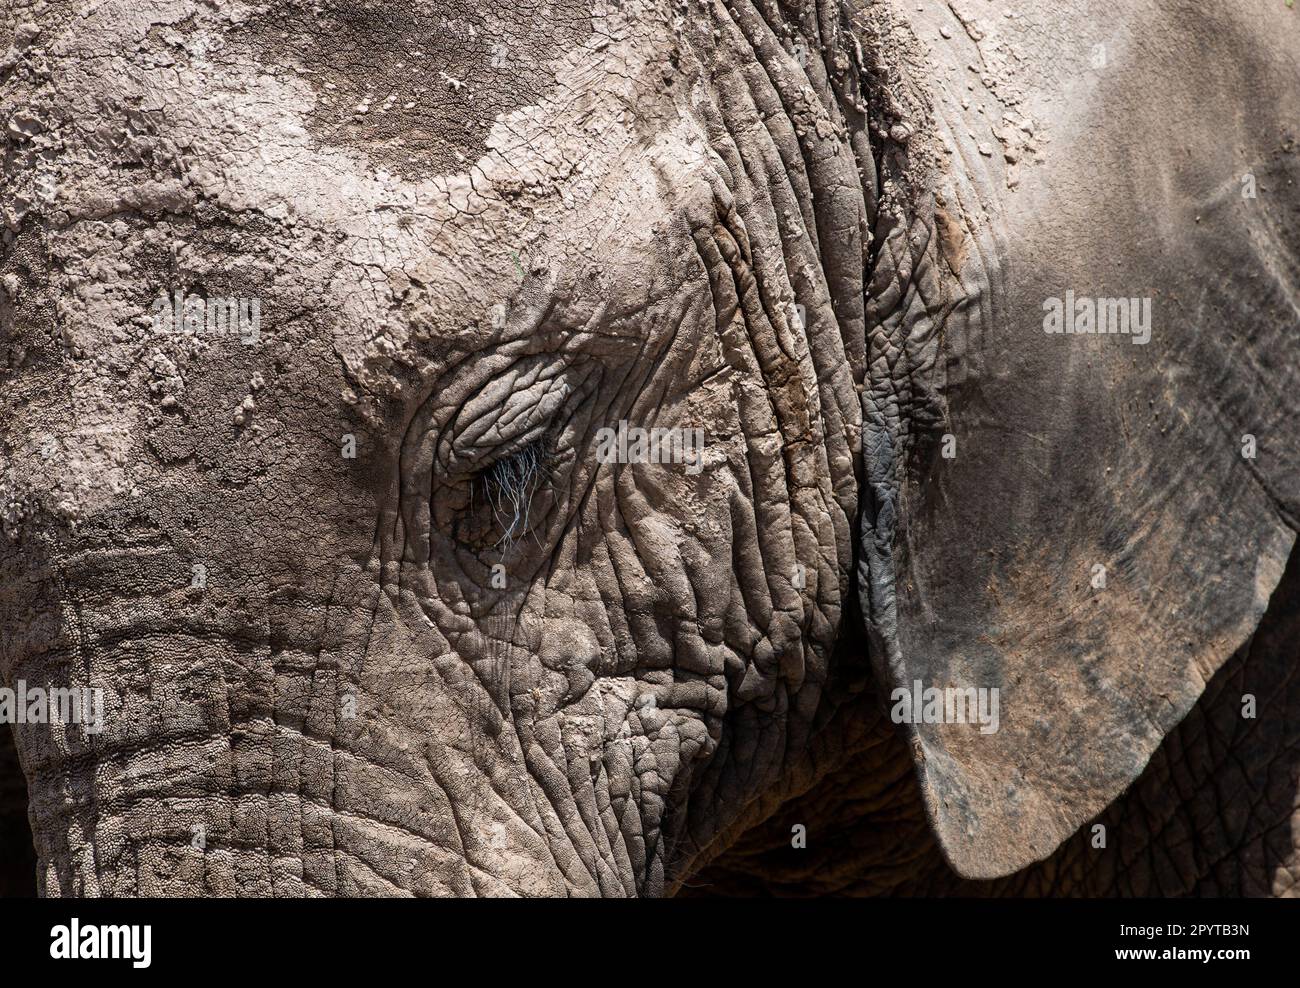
{"x": 565, "y": 197}
{"x": 415, "y": 90}
{"x": 418, "y": 85}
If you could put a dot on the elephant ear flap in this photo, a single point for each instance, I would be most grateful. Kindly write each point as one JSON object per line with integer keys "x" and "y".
{"x": 1051, "y": 579}
{"x": 1061, "y": 597}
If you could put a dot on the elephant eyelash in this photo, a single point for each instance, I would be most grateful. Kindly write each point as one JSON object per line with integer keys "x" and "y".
{"x": 509, "y": 486}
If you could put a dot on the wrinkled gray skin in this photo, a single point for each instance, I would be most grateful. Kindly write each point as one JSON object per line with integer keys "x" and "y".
{"x": 475, "y": 249}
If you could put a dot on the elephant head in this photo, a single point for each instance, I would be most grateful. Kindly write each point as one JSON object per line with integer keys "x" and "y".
{"x": 476, "y": 452}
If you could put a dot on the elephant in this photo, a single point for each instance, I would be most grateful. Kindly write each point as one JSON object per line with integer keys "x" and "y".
{"x": 650, "y": 447}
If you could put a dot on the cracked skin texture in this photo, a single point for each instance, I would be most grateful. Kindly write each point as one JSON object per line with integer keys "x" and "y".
{"x": 460, "y": 262}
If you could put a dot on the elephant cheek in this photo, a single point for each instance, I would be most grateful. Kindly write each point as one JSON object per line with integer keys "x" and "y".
{"x": 570, "y": 649}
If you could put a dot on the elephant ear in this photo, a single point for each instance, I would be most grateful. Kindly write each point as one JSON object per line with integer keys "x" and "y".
{"x": 1092, "y": 525}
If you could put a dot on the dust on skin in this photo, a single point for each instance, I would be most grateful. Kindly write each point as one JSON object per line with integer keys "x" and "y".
{"x": 1045, "y": 598}
{"x": 411, "y": 274}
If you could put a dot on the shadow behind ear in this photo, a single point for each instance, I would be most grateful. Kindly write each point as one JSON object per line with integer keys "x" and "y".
{"x": 17, "y": 853}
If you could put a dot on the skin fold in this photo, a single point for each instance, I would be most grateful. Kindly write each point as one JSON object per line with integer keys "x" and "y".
{"x": 372, "y": 615}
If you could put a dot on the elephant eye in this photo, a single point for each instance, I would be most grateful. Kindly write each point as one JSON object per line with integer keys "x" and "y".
{"x": 508, "y": 498}
{"x": 511, "y": 483}
{"x": 503, "y": 461}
